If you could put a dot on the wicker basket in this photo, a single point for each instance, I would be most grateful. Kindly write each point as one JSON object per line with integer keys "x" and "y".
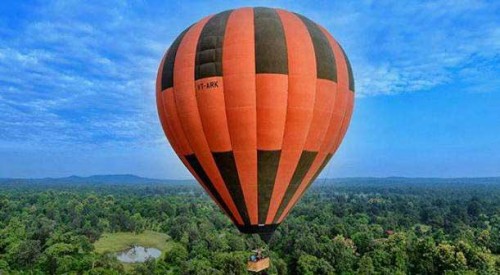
{"x": 258, "y": 266}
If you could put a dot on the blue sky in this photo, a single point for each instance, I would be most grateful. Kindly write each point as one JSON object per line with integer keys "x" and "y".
{"x": 77, "y": 85}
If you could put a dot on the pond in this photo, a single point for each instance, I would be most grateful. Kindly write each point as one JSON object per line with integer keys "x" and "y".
{"x": 138, "y": 254}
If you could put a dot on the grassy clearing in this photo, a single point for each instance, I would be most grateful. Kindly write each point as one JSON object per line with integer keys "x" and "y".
{"x": 116, "y": 242}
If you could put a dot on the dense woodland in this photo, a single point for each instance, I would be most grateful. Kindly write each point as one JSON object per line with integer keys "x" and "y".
{"x": 350, "y": 226}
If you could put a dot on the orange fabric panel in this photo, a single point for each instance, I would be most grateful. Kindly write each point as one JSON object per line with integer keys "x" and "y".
{"x": 189, "y": 115}
{"x": 338, "y": 123}
{"x": 326, "y": 91}
{"x": 334, "y": 129}
{"x": 346, "y": 122}
{"x": 161, "y": 115}
{"x": 210, "y": 98}
{"x": 172, "y": 119}
{"x": 238, "y": 62}
{"x": 272, "y": 97}
{"x": 344, "y": 107}
{"x": 167, "y": 129}
{"x": 301, "y": 97}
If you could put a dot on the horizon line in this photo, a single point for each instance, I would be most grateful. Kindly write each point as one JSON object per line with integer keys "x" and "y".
{"x": 193, "y": 179}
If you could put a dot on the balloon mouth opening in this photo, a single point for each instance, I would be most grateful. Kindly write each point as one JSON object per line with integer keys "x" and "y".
{"x": 265, "y": 231}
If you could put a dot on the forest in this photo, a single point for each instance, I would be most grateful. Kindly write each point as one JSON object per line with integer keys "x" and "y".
{"x": 341, "y": 226}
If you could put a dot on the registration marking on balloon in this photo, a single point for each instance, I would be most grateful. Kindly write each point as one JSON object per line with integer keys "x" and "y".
{"x": 207, "y": 85}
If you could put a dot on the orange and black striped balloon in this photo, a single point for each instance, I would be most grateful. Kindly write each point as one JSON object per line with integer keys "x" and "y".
{"x": 255, "y": 101}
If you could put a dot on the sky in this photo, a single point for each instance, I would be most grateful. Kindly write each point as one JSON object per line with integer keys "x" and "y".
{"x": 77, "y": 82}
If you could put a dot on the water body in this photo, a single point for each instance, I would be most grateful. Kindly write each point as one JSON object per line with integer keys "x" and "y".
{"x": 138, "y": 254}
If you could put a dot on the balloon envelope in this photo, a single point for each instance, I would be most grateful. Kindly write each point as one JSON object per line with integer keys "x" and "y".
{"x": 255, "y": 101}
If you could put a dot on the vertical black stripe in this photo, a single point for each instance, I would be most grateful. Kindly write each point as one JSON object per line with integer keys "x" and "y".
{"x": 349, "y": 70}
{"x": 325, "y": 59}
{"x": 305, "y": 162}
{"x": 270, "y": 44}
{"x": 267, "y": 168}
{"x": 198, "y": 169}
{"x": 209, "y": 48}
{"x": 167, "y": 74}
{"x": 227, "y": 168}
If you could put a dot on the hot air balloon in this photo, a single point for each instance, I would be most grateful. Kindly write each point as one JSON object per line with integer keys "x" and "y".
{"x": 255, "y": 101}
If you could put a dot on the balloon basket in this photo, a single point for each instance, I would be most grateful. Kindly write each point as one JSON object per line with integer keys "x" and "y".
{"x": 258, "y": 262}
{"x": 258, "y": 265}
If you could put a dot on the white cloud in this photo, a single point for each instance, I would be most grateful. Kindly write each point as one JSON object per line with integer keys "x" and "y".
{"x": 83, "y": 72}
{"x": 66, "y": 80}
{"x": 398, "y": 47}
